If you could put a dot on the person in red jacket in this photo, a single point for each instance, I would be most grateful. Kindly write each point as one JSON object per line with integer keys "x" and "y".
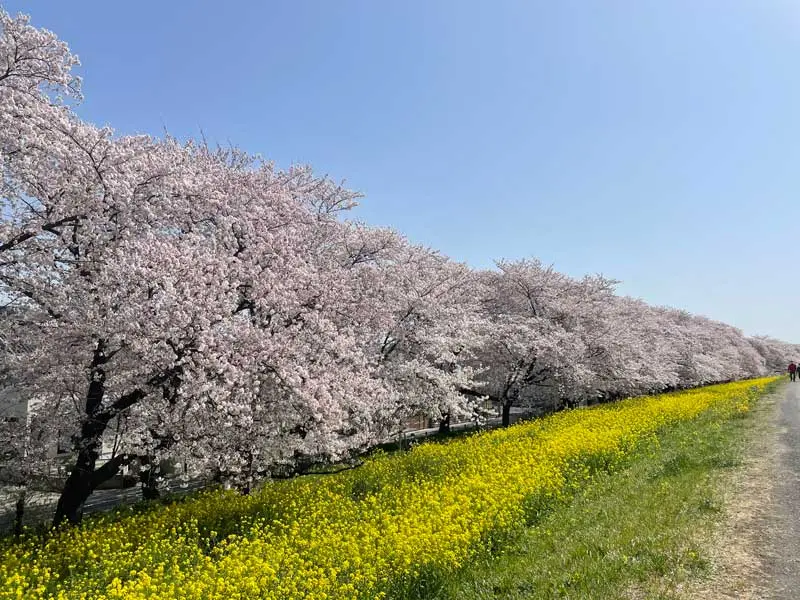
{"x": 792, "y": 371}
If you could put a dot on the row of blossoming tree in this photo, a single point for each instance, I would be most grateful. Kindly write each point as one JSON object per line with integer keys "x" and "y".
{"x": 211, "y": 308}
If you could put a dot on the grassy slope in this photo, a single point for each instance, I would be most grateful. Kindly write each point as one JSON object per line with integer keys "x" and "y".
{"x": 637, "y": 533}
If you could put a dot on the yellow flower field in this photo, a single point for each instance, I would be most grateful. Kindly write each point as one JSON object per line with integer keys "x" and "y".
{"x": 357, "y": 533}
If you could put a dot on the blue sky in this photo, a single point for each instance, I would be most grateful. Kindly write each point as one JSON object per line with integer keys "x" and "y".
{"x": 654, "y": 142}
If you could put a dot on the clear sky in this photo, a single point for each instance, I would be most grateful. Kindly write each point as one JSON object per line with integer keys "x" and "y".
{"x": 656, "y": 142}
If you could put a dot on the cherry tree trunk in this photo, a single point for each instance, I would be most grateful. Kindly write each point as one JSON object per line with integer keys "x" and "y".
{"x": 149, "y": 480}
{"x": 77, "y": 488}
{"x": 507, "y": 413}
{"x": 19, "y": 515}
{"x": 84, "y": 478}
{"x": 444, "y": 424}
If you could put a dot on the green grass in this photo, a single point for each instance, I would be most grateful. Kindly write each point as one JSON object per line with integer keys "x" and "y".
{"x": 637, "y": 533}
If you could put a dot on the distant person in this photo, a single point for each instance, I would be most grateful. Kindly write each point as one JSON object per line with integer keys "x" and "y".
{"x": 792, "y": 371}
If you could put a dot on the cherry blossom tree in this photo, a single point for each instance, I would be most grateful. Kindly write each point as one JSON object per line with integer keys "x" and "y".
{"x": 550, "y": 341}
{"x": 775, "y": 354}
{"x": 429, "y": 339}
{"x": 168, "y": 284}
{"x": 534, "y": 334}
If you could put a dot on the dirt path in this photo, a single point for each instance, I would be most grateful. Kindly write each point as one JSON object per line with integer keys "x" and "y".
{"x": 757, "y": 552}
{"x": 784, "y": 559}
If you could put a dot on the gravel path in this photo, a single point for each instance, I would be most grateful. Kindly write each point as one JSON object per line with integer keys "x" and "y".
{"x": 784, "y": 548}
{"x": 756, "y": 555}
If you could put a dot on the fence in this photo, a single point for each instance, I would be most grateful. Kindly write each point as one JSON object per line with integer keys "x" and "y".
{"x": 41, "y": 509}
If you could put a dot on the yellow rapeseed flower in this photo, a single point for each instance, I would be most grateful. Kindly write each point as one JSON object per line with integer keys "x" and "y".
{"x": 355, "y": 534}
